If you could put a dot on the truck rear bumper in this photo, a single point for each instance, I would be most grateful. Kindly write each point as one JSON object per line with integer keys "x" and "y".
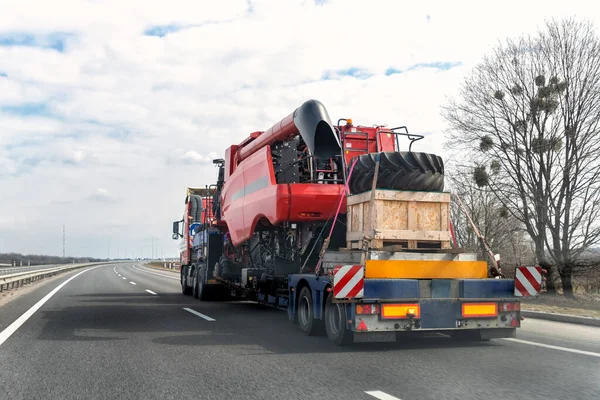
{"x": 437, "y": 315}
{"x": 388, "y": 336}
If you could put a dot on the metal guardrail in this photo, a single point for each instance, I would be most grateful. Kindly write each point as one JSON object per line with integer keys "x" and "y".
{"x": 21, "y": 278}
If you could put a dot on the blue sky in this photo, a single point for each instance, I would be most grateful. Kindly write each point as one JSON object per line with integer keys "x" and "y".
{"x": 108, "y": 110}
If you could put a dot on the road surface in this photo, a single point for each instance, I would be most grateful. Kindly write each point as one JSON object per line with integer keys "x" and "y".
{"x": 125, "y": 332}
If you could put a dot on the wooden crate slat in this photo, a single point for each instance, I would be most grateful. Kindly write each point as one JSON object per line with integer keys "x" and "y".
{"x": 396, "y": 195}
{"x": 407, "y": 217}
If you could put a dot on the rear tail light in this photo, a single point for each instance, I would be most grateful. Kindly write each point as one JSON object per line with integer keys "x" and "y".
{"x": 479, "y": 310}
{"x": 367, "y": 308}
{"x": 401, "y": 311}
{"x": 513, "y": 306}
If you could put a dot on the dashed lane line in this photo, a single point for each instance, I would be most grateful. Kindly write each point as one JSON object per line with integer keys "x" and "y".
{"x": 206, "y": 317}
{"x": 378, "y": 394}
{"x": 151, "y": 292}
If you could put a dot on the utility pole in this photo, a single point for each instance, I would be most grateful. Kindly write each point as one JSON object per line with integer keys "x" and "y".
{"x": 108, "y": 248}
{"x": 63, "y": 241}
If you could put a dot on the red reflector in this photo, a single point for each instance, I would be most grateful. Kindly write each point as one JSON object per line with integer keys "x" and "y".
{"x": 362, "y": 326}
{"x": 310, "y": 214}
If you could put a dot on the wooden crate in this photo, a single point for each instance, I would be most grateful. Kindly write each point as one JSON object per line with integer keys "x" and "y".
{"x": 409, "y": 219}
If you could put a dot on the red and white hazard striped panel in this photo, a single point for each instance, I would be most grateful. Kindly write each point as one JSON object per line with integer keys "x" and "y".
{"x": 348, "y": 282}
{"x": 528, "y": 281}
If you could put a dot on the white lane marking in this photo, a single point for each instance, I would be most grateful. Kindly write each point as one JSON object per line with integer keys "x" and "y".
{"x": 12, "y": 328}
{"x": 378, "y": 394}
{"x": 115, "y": 269}
{"x": 154, "y": 273}
{"x": 151, "y": 292}
{"x": 206, "y": 317}
{"x": 133, "y": 283}
{"x": 124, "y": 278}
{"x": 549, "y": 346}
{"x": 119, "y": 275}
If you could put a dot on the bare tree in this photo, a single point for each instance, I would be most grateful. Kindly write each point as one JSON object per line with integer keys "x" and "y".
{"x": 528, "y": 116}
{"x": 502, "y": 231}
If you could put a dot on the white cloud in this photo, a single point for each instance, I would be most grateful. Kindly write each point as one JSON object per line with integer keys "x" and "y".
{"x": 129, "y": 120}
{"x": 102, "y": 195}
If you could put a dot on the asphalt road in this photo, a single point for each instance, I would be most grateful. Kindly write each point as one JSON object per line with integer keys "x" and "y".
{"x": 100, "y": 336}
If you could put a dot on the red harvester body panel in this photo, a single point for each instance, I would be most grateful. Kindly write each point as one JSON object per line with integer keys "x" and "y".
{"x": 251, "y": 194}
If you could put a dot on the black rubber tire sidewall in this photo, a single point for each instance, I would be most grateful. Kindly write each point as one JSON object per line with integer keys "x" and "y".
{"x": 340, "y": 337}
{"x": 306, "y": 327}
{"x": 412, "y": 171}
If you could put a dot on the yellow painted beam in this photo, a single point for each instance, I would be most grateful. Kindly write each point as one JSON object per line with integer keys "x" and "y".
{"x": 430, "y": 269}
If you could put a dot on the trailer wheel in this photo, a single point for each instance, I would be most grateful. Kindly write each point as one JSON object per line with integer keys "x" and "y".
{"x": 399, "y": 170}
{"x": 335, "y": 323}
{"x": 305, "y": 314}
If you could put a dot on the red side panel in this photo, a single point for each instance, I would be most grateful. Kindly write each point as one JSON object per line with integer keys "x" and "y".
{"x": 307, "y": 199}
{"x": 387, "y": 141}
{"x": 251, "y": 194}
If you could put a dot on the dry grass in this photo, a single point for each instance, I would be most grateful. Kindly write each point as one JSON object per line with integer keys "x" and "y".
{"x": 161, "y": 265}
{"x": 582, "y": 304}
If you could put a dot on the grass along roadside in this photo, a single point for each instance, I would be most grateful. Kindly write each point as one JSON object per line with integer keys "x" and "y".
{"x": 583, "y": 305}
{"x": 580, "y": 312}
{"x": 160, "y": 265}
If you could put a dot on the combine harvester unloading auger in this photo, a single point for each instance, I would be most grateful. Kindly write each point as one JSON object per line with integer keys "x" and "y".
{"x": 344, "y": 229}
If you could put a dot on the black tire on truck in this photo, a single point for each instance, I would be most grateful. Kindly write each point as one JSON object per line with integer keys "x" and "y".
{"x": 401, "y": 170}
{"x": 335, "y": 323}
{"x": 305, "y": 314}
{"x": 202, "y": 291}
{"x": 185, "y": 290}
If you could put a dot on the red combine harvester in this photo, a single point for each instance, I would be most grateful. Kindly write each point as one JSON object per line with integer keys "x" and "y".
{"x": 342, "y": 228}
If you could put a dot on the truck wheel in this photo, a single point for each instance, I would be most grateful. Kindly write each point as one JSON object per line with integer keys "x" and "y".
{"x": 184, "y": 287}
{"x": 335, "y": 323}
{"x": 203, "y": 291}
{"x": 195, "y": 283}
{"x": 305, "y": 314}
{"x": 400, "y": 170}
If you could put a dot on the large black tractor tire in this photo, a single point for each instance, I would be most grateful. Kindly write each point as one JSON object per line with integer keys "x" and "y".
{"x": 398, "y": 171}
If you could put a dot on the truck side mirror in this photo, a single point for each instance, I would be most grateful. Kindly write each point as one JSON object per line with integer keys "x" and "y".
{"x": 176, "y": 230}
